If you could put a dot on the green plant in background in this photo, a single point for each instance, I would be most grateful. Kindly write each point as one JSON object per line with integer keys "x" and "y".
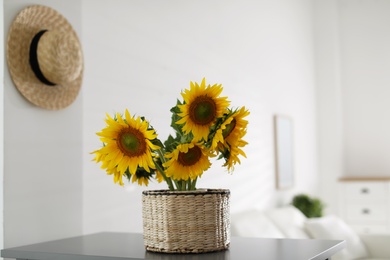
{"x": 310, "y": 207}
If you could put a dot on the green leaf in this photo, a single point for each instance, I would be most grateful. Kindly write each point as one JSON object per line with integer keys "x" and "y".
{"x": 171, "y": 143}
{"x": 157, "y": 142}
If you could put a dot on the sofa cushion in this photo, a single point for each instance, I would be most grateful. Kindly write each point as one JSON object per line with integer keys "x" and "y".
{"x": 377, "y": 245}
{"x": 289, "y": 220}
{"x": 253, "y": 223}
{"x": 372, "y": 258}
{"x": 332, "y": 227}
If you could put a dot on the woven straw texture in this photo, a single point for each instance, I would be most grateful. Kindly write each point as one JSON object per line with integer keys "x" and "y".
{"x": 25, "y": 26}
{"x": 186, "y": 222}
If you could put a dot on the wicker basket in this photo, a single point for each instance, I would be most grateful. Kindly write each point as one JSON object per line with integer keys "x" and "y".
{"x": 186, "y": 221}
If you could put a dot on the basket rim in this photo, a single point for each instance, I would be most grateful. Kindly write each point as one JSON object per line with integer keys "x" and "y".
{"x": 191, "y": 192}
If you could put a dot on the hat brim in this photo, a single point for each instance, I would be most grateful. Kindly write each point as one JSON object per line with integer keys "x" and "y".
{"x": 25, "y": 26}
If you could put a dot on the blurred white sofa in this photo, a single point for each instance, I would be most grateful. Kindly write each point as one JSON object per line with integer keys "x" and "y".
{"x": 289, "y": 222}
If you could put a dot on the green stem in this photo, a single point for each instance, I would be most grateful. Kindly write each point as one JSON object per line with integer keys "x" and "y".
{"x": 193, "y": 185}
{"x": 161, "y": 170}
{"x": 178, "y": 185}
{"x": 167, "y": 180}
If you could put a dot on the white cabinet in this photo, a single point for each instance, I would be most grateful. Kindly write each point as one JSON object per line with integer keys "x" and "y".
{"x": 365, "y": 203}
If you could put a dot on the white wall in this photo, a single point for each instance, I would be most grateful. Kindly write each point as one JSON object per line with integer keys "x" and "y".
{"x": 42, "y": 156}
{"x": 329, "y": 96}
{"x": 353, "y": 63}
{"x": 141, "y": 54}
{"x": 365, "y": 55}
{"x": 1, "y": 127}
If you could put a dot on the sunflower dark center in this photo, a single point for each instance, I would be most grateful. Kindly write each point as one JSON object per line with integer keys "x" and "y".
{"x": 229, "y": 128}
{"x": 191, "y": 157}
{"x": 131, "y": 142}
{"x": 203, "y": 110}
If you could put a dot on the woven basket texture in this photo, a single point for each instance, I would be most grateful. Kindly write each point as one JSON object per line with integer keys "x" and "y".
{"x": 186, "y": 221}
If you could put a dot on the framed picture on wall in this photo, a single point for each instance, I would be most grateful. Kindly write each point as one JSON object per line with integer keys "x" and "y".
{"x": 284, "y": 152}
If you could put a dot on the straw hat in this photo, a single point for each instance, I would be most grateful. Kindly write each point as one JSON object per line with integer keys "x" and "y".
{"x": 44, "y": 57}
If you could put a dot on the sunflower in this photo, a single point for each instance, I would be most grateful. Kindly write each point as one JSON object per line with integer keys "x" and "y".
{"x": 117, "y": 176}
{"x": 233, "y": 130}
{"x": 110, "y": 171}
{"x": 187, "y": 161}
{"x": 204, "y": 127}
{"x": 233, "y": 152}
{"x": 159, "y": 177}
{"x": 142, "y": 176}
{"x": 127, "y": 147}
{"x": 202, "y": 106}
{"x": 236, "y": 128}
{"x": 217, "y": 138}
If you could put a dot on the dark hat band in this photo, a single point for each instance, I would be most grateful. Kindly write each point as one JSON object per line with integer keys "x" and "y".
{"x": 34, "y": 59}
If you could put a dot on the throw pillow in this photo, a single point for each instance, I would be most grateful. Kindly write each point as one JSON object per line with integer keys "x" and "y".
{"x": 253, "y": 223}
{"x": 289, "y": 220}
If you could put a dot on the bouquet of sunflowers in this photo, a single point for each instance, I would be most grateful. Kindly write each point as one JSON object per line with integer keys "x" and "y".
{"x": 205, "y": 127}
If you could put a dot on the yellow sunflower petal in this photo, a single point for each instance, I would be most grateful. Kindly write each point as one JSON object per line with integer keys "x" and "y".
{"x": 127, "y": 145}
{"x": 188, "y": 161}
{"x": 202, "y": 106}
